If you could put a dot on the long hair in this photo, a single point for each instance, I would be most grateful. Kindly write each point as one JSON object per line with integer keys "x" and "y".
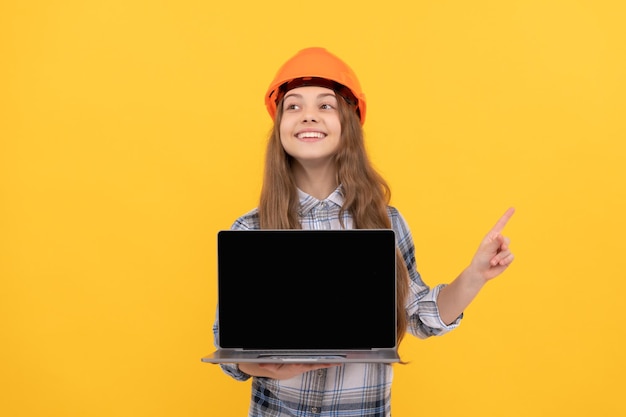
{"x": 366, "y": 193}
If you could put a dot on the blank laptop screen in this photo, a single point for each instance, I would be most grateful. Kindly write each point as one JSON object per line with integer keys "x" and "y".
{"x": 307, "y": 289}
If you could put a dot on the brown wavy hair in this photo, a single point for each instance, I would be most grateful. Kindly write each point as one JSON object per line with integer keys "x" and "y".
{"x": 366, "y": 193}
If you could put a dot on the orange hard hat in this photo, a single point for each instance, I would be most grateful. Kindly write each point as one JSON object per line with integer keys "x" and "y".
{"x": 316, "y": 66}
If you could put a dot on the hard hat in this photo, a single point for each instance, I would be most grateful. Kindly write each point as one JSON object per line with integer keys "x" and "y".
{"x": 315, "y": 66}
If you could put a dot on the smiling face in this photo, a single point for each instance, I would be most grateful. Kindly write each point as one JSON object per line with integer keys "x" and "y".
{"x": 310, "y": 129}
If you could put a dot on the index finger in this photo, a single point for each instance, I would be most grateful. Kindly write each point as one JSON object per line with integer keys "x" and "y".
{"x": 499, "y": 226}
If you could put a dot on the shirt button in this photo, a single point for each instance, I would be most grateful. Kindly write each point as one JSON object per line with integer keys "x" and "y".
{"x": 315, "y": 410}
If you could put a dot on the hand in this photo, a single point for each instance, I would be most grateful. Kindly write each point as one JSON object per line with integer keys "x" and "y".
{"x": 491, "y": 259}
{"x": 493, "y": 255}
{"x": 280, "y": 371}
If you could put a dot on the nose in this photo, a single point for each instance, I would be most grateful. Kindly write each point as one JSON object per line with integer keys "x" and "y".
{"x": 309, "y": 115}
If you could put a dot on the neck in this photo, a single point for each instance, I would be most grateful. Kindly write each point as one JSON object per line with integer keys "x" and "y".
{"x": 318, "y": 182}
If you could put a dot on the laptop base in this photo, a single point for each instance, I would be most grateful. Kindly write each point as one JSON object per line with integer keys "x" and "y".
{"x": 356, "y": 356}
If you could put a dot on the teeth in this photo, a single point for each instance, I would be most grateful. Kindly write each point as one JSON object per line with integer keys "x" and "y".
{"x": 304, "y": 135}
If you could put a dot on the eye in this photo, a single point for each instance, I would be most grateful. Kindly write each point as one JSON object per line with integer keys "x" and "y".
{"x": 291, "y": 106}
{"x": 327, "y": 106}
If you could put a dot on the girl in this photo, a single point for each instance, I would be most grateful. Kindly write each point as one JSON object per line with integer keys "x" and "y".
{"x": 318, "y": 176}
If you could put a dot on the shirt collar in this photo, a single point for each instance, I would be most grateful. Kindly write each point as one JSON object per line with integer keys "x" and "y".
{"x": 308, "y": 202}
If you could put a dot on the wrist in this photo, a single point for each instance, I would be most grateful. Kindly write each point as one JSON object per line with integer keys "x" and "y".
{"x": 245, "y": 368}
{"x": 472, "y": 279}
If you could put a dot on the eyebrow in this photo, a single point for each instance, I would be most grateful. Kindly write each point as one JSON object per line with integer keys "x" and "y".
{"x": 318, "y": 96}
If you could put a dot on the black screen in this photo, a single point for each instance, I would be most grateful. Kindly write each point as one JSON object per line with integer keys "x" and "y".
{"x": 307, "y": 289}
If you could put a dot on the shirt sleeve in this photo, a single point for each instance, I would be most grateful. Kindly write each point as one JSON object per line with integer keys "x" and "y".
{"x": 248, "y": 221}
{"x": 230, "y": 369}
{"x": 421, "y": 307}
{"x": 245, "y": 222}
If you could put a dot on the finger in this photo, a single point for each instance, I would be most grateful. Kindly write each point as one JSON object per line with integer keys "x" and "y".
{"x": 507, "y": 260}
{"x": 499, "y": 226}
{"x": 322, "y": 366}
{"x": 502, "y": 258}
{"x": 302, "y": 366}
{"x": 271, "y": 366}
{"x": 503, "y": 241}
{"x": 495, "y": 242}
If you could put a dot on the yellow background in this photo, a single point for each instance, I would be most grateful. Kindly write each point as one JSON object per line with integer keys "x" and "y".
{"x": 132, "y": 131}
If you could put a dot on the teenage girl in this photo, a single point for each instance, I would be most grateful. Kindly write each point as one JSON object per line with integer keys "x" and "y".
{"x": 318, "y": 176}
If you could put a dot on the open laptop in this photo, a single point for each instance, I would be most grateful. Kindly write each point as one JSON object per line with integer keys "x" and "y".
{"x": 302, "y": 296}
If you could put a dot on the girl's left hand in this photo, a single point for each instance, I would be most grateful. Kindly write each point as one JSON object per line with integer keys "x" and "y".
{"x": 493, "y": 255}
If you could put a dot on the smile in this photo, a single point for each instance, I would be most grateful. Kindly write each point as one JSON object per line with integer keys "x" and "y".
{"x": 311, "y": 135}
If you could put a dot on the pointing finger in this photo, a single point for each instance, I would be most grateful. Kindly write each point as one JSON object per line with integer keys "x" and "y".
{"x": 499, "y": 226}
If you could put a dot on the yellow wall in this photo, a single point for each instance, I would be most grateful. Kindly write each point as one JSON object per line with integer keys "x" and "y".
{"x": 131, "y": 131}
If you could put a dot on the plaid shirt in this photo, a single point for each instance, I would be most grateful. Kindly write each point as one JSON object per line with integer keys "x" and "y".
{"x": 351, "y": 390}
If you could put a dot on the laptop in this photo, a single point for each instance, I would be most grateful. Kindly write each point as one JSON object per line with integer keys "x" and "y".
{"x": 306, "y": 296}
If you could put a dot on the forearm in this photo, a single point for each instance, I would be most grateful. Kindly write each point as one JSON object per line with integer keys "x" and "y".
{"x": 455, "y": 297}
